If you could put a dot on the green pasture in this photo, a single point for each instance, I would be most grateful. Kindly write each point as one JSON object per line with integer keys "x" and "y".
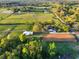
{"x": 28, "y": 18}
{"x": 3, "y": 16}
{"x": 4, "y": 30}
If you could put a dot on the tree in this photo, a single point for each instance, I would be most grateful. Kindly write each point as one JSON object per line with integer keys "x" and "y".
{"x": 25, "y": 50}
{"x": 37, "y": 28}
{"x": 77, "y": 17}
{"x": 52, "y": 49}
{"x": 34, "y": 48}
{"x": 16, "y": 10}
{"x": 3, "y": 56}
{"x": 23, "y": 37}
{"x": 12, "y": 36}
{"x": 23, "y": 9}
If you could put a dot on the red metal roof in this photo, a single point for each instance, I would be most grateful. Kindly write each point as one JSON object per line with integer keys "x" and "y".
{"x": 59, "y": 37}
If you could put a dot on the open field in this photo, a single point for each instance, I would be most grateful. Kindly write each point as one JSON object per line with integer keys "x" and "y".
{"x": 22, "y": 20}
{"x": 27, "y": 18}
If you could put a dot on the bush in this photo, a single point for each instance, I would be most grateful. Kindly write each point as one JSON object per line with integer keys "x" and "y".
{"x": 52, "y": 49}
{"x": 23, "y": 37}
{"x": 37, "y": 28}
{"x": 12, "y": 36}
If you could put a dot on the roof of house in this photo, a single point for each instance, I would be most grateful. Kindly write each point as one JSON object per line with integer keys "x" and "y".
{"x": 61, "y": 37}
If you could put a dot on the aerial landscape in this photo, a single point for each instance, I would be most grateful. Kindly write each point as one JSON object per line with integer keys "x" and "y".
{"x": 39, "y": 29}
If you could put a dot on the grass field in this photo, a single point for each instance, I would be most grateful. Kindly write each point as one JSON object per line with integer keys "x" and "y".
{"x": 26, "y": 18}
{"x": 4, "y": 30}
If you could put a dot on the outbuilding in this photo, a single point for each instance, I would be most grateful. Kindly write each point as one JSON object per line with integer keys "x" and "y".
{"x": 28, "y": 33}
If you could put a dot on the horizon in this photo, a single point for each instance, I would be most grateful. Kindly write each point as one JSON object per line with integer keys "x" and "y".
{"x": 32, "y": 0}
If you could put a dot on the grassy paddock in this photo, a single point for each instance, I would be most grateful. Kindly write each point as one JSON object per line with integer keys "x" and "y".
{"x": 28, "y": 18}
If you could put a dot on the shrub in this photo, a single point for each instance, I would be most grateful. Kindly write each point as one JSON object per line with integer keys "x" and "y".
{"x": 52, "y": 49}
{"x": 37, "y": 28}
{"x": 23, "y": 37}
